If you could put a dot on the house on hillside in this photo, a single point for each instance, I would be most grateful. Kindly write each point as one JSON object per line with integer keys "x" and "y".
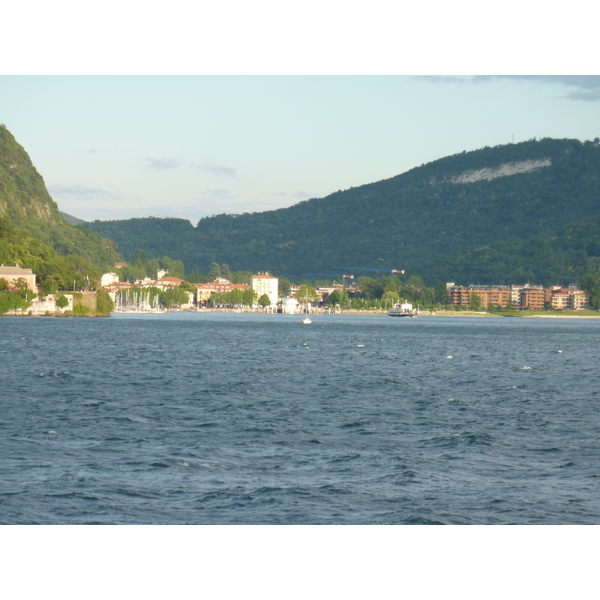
{"x": 13, "y": 274}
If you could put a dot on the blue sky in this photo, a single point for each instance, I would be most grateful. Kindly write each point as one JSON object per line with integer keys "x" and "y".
{"x": 112, "y": 147}
{"x": 227, "y": 114}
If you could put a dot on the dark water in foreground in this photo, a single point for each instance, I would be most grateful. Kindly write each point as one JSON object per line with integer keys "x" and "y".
{"x": 227, "y": 418}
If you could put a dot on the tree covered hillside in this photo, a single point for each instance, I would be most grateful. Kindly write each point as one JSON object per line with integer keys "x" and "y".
{"x": 414, "y": 221}
{"x": 25, "y": 202}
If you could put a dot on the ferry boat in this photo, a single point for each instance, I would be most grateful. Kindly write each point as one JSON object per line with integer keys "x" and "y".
{"x": 403, "y": 310}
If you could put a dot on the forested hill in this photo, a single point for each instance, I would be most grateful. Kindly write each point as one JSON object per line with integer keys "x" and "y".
{"x": 415, "y": 221}
{"x": 25, "y": 202}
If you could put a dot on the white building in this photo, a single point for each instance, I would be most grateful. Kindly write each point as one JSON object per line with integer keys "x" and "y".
{"x": 266, "y": 284}
{"x": 290, "y": 306}
{"x": 108, "y": 278}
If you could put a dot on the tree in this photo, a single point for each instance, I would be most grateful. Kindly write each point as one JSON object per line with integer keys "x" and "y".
{"x": 306, "y": 293}
{"x": 391, "y": 284}
{"x": 338, "y": 297}
{"x": 390, "y": 298}
{"x": 196, "y": 277}
{"x": 225, "y": 273}
{"x": 187, "y": 287}
{"x": 441, "y": 294}
{"x": 284, "y": 287}
{"x": 249, "y": 296}
{"x": 474, "y": 302}
{"x": 104, "y": 303}
{"x": 62, "y": 301}
{"x": 215, "y": 271}
{"x": 370, "y": 288}
{"x": 138, "y": 255}
{"x": 415, "y": 282}
{"x": 264, "y": 301}
{"x": 173, "y": 297}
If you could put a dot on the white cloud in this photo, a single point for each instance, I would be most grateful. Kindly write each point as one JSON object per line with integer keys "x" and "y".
{"x": 214, "y": 169}
{"x": 161, "y": 164}
{"x": 587, "y": 87}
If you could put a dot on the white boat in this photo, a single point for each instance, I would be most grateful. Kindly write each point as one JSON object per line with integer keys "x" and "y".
{"x": 403, "y": 310}
{"x": 307, "y": 320}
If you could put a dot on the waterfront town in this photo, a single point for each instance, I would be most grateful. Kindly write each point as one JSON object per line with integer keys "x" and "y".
{"x": 137, "y": 296}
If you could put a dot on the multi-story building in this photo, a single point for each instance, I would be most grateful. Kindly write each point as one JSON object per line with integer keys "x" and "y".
{"x": 492, "y": 295}
{"x": 458, "y": 295}
{"x": 263, "y": 283}
{"x": 516, "y": 294}
{"x": 218, "y": 286}
{"x": 533, "y": 298}
{"x": 569, "y": 298}
{"x": 12, "y": 275}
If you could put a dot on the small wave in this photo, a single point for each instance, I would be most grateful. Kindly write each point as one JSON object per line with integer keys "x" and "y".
{"x": 354, "y": 424}
{"x": 345, "y": 458}
{"x": 64, "y": 374}
{"x": 481, "y": 438}
{"x": 260, "y": 429}
{"x": 422, "y": 521}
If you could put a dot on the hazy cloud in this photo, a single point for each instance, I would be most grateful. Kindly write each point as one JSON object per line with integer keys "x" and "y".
{"x": 219, "y": 194}
{"x": 85, "y": 202}
{"x": 161, "y": 164}
{"x": 214, "y": 169}
{"x": 77, "y": 190}
{"x": 299, "y": 195}
{"x": 92, "y": 151}
{"x": 586, "y": 87}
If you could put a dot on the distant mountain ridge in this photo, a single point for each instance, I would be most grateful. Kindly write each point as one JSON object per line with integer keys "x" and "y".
{"x": 414, "y": 221}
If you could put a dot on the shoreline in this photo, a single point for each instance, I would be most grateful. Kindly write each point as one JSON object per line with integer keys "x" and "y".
{"x": 377, "y": 313}
{"x": 383, "y": 313}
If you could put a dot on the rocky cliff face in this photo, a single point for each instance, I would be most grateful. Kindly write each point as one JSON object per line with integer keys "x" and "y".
{"x": 505, "y": 170}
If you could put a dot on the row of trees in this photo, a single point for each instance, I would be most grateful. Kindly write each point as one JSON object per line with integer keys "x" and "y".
{"x": 234, "y": 298}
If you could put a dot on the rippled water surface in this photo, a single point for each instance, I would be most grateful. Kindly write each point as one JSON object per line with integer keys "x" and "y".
{"x": 233, "y": 418}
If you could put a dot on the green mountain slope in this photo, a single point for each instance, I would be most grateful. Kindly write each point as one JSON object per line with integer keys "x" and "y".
{"x": 25, "y": 201}
{"x": 560, "y": 259}
{"x": 414, "y": 221}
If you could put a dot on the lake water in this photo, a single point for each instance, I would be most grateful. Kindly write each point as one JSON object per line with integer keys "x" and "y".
{"x": 259, "y": 419}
